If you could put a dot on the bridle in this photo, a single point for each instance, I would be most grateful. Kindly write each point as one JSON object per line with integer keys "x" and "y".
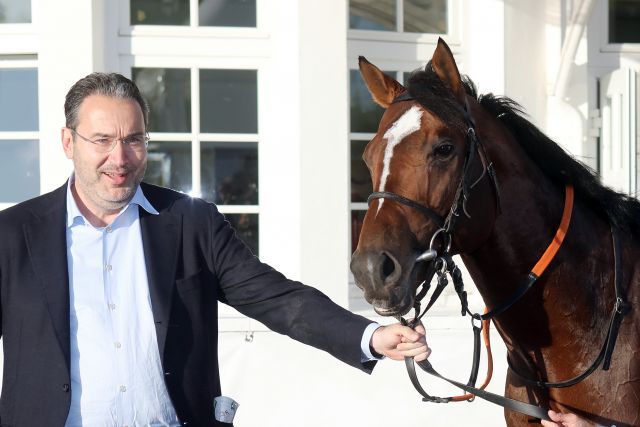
{"x": 445, "y": 225}
{"x": 444, "y": 265}
{"x": 463, "y": 191}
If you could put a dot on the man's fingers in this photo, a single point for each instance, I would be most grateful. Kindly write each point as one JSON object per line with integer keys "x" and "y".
{"x": 397, "y": 342}
{"x": 423, "y": 356}
{"x": 555, "y": 416}
{"x": 409, "y": 335}
{"x": 418, "y": 350}
{"x": 406, "y": 346}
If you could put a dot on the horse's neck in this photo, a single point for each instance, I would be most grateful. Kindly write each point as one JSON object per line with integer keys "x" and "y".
{"x": 571, "y": 297}
{"x": 570, "y": 300}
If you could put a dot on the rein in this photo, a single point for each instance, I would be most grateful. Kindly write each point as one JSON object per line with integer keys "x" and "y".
{"x": 444, "y": 264}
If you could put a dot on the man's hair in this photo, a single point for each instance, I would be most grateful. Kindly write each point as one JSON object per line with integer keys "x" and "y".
{"x": 107, "y": 84}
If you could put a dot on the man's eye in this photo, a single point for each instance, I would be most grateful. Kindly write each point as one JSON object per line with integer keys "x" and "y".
{"x": 134, "y": 140}
{"x": 103, "y": 141}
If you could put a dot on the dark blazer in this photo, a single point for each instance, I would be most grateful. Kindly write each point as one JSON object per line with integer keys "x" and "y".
{"x": 193, "y": 260}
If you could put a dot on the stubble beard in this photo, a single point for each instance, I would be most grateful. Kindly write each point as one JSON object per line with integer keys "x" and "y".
{"x": 104, "y": 197}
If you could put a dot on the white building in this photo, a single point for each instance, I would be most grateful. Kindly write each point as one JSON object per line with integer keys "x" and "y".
{"x": 257, "y": 105}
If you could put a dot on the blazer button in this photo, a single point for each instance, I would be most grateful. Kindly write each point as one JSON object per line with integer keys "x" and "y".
{"x": 66, "y": 387}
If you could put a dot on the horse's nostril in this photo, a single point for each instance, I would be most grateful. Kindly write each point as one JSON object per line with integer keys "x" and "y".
{"x": 388, "y": 266}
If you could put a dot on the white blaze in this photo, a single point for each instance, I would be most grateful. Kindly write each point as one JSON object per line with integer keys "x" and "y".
{"x": 408, "y": 123}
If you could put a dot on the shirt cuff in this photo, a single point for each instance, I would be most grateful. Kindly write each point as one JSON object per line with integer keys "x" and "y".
{"x": 365, "y": 349}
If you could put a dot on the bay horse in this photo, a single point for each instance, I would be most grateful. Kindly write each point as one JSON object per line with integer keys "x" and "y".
{"x": 502, "y": 199}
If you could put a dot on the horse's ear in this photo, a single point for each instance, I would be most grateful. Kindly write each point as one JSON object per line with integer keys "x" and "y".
{"x": 383, "y": 88}
{"x": 444, "y": 65}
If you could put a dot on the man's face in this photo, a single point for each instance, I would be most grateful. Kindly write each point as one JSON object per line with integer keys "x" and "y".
{"x": 106, "y": 182}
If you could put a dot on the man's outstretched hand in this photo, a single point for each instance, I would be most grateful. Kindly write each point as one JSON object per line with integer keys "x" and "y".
{"x": 397, "y": 342}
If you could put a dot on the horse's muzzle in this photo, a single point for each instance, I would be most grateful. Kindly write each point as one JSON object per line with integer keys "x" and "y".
{"x": 384, "y": 282}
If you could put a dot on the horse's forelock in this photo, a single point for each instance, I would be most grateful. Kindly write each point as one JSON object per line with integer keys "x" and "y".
{"x": 426, "y": 88}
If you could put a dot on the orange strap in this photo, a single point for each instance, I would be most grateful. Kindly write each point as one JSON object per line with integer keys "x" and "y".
{"x": 538, "y": 269}
{"x": 551, "y": 251}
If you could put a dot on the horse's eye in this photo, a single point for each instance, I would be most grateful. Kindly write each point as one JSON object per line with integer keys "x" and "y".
{"x": 443, "y": 150}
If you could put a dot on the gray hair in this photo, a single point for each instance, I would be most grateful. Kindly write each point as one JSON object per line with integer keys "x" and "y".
{"x": 107, "y": 84}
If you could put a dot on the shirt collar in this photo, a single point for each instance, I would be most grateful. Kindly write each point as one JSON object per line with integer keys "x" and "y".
{"x": 74, "y": 216}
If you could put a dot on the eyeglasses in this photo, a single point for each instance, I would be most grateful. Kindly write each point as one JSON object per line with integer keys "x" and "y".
{"x": 106, "y": 144}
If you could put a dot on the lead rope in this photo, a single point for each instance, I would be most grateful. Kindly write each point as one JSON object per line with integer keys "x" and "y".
{"x": 445, "y": 265}
{"x": 470, "y": 389}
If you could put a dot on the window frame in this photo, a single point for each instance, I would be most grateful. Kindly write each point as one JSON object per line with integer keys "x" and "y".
{"x": 13, "y": 62}
{"x": 453, "y": 35}
{"x": 601, "y": 10}
{"x": 191, "y": 30}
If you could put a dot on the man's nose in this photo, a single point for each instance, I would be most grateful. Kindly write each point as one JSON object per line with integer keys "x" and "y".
{"x": 119, "y": 153}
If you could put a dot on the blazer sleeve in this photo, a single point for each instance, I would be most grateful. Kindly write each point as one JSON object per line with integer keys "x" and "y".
{"x": 285, "y": 306}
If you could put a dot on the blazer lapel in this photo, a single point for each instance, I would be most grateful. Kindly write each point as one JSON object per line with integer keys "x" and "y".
{"x": 160, "y": 240}
{"x": 46, "y": 241}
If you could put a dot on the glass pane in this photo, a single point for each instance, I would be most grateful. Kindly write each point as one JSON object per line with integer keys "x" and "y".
{"x": 229, "y": 172}
{"x": 425, "y": 16}
{"x": 18, "y": 99}
{"x": 360, "y": 177}
{"x": 372, "y": 15}
{"x": 624, "y": 21}
{"x": 15, "y": 11}
{"x": 227, "y": 13}
{"x": 229, "y": 101}
{"x": 365, "y": 114}
{"x": 357, "y": 218}
{"x": 159, "y": 12}
{"x": 168, "y": 92}
{"x": 169, "y": 165}
{"x": 246, "y": 226}
{"x": 19, "y": 170}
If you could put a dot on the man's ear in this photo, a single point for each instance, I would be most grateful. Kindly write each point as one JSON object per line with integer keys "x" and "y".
{"x": 67, "y": 142}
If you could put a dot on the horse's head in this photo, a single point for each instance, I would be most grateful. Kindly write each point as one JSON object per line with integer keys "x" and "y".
{"x": 423, "y": 164}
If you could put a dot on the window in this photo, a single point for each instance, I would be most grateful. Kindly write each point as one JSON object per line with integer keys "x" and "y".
{"x": 411, "y": 16}
{"x": 203, "y": 125}
{"x": 19, "y": 124}
{"x": 205, "y": 13}
{"x": 624, "y": 21}
{"x": 15, "y": 11}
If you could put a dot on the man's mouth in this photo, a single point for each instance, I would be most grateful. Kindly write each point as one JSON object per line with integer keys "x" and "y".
{"x": 117, "y": 178}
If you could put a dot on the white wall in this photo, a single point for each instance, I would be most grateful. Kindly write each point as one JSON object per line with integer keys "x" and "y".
{"x": 281, "y": 383}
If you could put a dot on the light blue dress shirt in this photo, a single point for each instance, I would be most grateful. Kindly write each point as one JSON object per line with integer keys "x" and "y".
{"x": 116, "y": 372}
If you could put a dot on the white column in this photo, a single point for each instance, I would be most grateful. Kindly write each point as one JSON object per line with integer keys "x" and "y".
{"x": 324, "y": 146}
{"x": 484, "y": 44}
{"x": 72, "y": 44}
{"x": 279, "y": 141}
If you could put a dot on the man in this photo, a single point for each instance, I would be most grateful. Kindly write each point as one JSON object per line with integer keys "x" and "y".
{"x": 109, "y": 287}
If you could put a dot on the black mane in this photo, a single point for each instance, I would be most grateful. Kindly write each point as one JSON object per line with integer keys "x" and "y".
{"x": 560, "y": 167}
